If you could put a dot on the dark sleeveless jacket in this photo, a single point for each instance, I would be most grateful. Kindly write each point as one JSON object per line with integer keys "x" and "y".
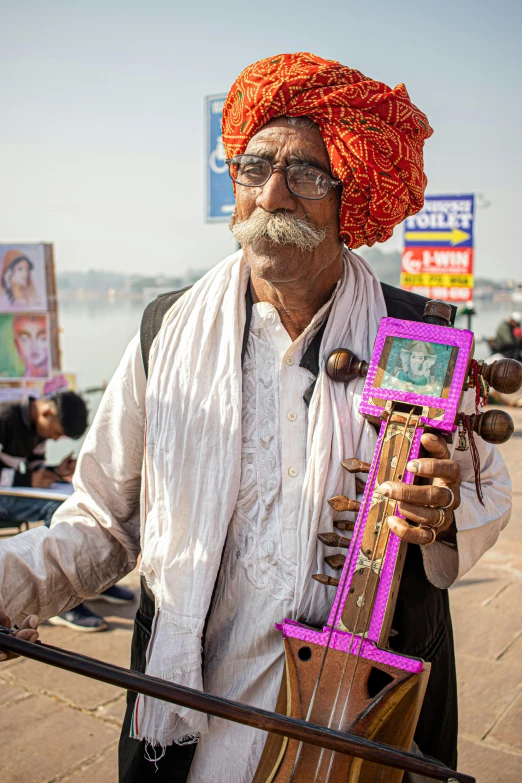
{"x": 422, "y": 616}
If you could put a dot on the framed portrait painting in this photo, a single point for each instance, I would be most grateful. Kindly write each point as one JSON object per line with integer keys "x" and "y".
{"x": 23, "y": 278}
{"x": 25, "y": 346}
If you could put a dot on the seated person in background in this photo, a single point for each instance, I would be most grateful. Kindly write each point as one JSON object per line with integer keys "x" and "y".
{"x": 507, "y": 340}
{"x": 25, "y": 428}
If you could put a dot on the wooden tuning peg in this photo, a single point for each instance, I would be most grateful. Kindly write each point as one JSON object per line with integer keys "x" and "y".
{"x": 360, "y": 486}
{"x": 354, "y": 465}
{"x": 341, "y": 503}
{"x": 343, "y": 365}
{"x": 334, "y": 539}
{"x": 335, "y": 561}
{"x": 344, "y": 524}
{"x": 326, "y": 580}
{"x": 504, "y": 375}
{"x": 493, "y": 426}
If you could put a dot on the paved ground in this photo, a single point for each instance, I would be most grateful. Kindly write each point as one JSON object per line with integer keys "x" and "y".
{"x": 60, "y": 727}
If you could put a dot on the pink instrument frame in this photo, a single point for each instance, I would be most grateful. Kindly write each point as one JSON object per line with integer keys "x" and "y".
{"x": 330, "y": 635}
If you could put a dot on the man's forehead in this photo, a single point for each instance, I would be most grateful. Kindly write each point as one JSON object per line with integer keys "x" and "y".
{"x": 293, "y": 140}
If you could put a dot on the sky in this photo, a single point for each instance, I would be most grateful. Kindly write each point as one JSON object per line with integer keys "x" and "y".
{"x": 102, "y": 115}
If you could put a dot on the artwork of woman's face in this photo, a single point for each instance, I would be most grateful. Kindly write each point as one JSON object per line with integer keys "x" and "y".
{"x": 31, "y": 340}
{"x": 21, "y": 273}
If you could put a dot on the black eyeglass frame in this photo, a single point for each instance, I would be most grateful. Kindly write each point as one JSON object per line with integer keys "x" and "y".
{"x": 332, "y": 183}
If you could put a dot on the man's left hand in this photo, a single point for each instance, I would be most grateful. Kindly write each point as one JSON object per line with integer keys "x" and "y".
{"x": 422, "y": 504}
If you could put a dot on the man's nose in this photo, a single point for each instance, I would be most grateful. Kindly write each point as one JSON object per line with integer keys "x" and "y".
{"x": 275, "y": 195}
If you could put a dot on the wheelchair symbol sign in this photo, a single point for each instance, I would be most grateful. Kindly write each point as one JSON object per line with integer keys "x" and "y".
{"x": 218, "y": 157}
{"x": 220, "y": 195}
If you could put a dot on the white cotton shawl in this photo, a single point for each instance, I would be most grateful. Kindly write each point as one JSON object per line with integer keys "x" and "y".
{"x": 192, "y": 465}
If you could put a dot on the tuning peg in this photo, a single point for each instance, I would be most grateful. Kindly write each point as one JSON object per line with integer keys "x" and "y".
{"x": 360, "y": 486}
{"x": 335, "y": 561}
{"x": 340, "y": 503}
{"x": 504, "y": 375}
{"x": 354, "y": 465}
{"x": 344, "y": 524}
{"x": 343, "y": 365}
{"x": 334, "y": 539}
{"x": 326, "y": 580}
{"x": 493, "y": 426}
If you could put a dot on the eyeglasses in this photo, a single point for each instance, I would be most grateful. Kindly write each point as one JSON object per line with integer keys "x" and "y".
{"x": 302, "y": 180}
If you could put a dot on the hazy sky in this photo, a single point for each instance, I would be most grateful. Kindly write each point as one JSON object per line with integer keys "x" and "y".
{"x": 102, "y": 124}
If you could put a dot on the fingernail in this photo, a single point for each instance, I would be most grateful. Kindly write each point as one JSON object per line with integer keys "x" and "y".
{"x": 33, "y": 621}
{"x": 385, "y": 489}
{"x": 3, "y": 656}
{"x": 412, "y": 467}
{"x": 432, "y": 436}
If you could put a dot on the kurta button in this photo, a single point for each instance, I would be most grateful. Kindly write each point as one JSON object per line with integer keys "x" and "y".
{"x": 292, "y": 472}
{"x": 289, "y": 360}
{"x": 292, "y": 416}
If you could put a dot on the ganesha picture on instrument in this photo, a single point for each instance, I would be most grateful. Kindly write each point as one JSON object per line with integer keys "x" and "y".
{"x": 416, "y": 366}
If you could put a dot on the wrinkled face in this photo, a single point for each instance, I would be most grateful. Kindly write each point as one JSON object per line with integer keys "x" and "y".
{"x": 31, "y": 341}
{"x": 282, "y": 145}
{"x": 21, "y": 273}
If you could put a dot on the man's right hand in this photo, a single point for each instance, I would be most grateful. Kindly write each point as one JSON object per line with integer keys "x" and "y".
{"x": 27, "y": 631}
{"x": 43, "y": 478}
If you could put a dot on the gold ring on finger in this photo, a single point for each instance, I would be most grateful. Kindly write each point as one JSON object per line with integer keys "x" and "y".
{"x": 433, "y": 534}
{"x": 451, "y": 501}
{"x": 442, "y": 518}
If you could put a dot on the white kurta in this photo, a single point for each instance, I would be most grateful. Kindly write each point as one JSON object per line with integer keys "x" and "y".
{"x": 243, "y": 651}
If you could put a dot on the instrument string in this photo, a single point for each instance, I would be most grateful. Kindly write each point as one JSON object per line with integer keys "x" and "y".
{"x": 384, "y": 515}
{"x": 346, "y": 571}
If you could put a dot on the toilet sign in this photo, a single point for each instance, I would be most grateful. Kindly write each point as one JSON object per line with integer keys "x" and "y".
{"x": 437, "y": 260}
{"x": 220, "y": 200}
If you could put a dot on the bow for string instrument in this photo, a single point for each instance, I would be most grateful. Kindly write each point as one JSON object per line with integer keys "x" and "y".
{"x": 348, "y": 707}
{"x": 344, "y": 676}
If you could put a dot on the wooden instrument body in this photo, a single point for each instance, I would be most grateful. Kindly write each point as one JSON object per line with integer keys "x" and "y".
{"x": 384, "y": 705}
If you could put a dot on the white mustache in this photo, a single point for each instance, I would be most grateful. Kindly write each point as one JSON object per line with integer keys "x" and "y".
{"x": 282, "y": 228}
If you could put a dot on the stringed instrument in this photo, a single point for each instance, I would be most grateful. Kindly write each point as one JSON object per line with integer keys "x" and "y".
{"x": 344, "y": 675}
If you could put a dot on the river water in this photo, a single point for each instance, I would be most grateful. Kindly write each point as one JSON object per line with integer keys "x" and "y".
{"x": 94, "y": 335}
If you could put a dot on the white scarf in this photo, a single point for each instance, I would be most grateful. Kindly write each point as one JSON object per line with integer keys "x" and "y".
{"x": 193, "y": 458}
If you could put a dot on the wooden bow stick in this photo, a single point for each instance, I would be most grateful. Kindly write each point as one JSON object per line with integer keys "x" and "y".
{"x": 300, "y": 730}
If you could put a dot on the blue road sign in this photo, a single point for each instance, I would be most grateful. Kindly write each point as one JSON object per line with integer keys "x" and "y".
{"x": 220, "y": 196}
{"x": 444, "y": 221}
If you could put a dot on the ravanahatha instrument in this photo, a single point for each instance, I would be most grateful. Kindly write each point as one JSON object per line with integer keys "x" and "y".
{"x": 344, "y": 676}
{"x": 348, "y": 706}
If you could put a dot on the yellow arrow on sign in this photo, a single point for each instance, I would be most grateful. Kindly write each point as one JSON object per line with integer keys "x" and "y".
{"x": 454, "y": 237}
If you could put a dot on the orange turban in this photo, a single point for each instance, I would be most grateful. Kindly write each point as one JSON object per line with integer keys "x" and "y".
{"x": 373, "y": 135}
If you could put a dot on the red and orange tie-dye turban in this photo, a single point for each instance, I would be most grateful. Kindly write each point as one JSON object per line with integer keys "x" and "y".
{"x": 374, "y": 135}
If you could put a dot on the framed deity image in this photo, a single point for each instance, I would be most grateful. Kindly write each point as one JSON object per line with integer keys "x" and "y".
{"x": 418, "y": 364}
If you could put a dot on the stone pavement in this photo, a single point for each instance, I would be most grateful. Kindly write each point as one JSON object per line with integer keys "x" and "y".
{"x": 57, "y": 726}
{"x": 487, "y": 620}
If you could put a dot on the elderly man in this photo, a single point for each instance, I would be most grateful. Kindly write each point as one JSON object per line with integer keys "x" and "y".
{"x": 240, "y": 450}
